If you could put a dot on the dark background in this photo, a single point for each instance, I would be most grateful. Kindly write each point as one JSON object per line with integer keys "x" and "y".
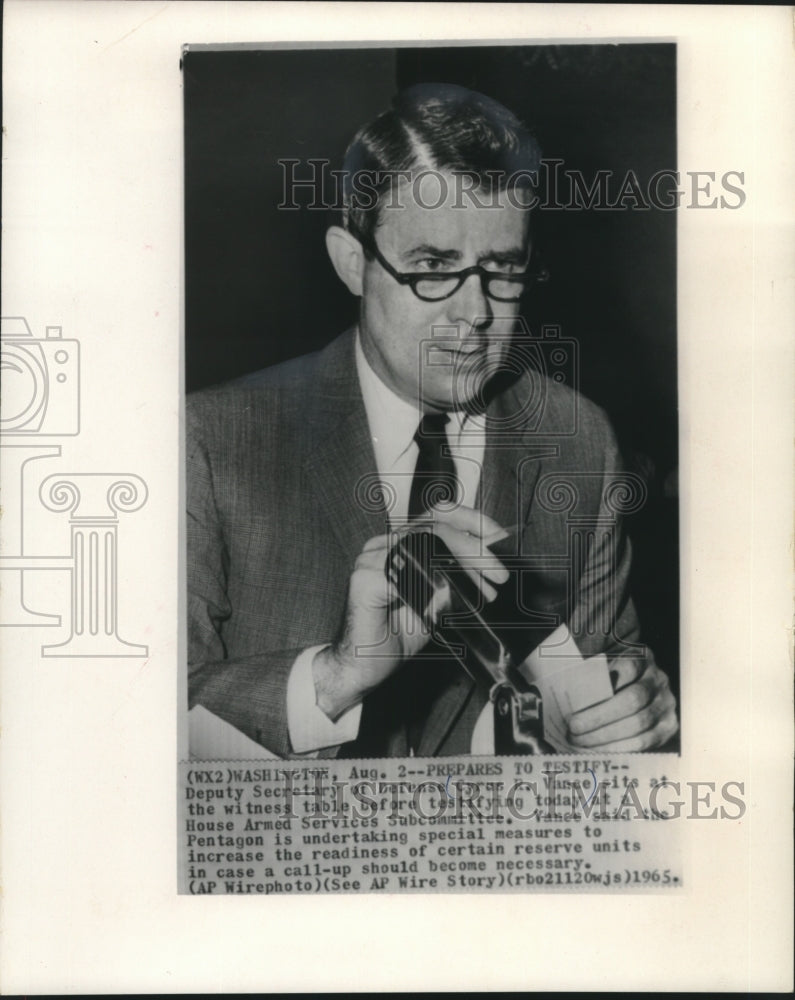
{"x": 259, "y": 287}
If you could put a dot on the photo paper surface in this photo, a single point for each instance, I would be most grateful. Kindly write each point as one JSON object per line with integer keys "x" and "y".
{"x": 146, "y": 260}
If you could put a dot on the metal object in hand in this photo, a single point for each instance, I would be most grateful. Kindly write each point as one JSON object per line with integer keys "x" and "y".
{"x": 425, "y": 573}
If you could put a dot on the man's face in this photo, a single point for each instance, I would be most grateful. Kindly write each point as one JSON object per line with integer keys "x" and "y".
{"x": 470, "y": 332}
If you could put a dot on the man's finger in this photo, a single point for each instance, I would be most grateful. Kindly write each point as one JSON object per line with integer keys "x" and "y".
{"x": 370, "y": 558}
{"x": 627, "y": 702}
{"x": 657, "y": 736}
{"x": 626, "y": 671}
{"x": 470, "y": 520}
{"x": 379, "y": 542}
{"x": 471, "y": 555}
{"x": 369, "y": 587}
{"x": 643, "y": 721}
{"x": 484, "y": 571}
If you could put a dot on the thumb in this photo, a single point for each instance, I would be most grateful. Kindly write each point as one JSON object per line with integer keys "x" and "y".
{"x": 625, "y": 671}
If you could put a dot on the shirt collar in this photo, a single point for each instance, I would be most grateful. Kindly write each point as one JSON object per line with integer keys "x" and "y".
{"x": 393, "y": 421}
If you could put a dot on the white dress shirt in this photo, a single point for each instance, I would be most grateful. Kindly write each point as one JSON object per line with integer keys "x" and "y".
{"x": 392, "y": 422}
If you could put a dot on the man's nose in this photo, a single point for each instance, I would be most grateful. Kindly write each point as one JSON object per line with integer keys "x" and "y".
{"x": 470, "y": 306}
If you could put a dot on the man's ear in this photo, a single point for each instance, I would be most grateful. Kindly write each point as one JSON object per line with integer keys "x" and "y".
{"x": 347, "y": 256}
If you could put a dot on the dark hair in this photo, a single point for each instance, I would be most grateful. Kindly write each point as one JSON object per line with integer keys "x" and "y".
{"x": 434, "y": 126}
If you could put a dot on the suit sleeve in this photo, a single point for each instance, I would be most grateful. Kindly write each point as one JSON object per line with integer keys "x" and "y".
{"x": 603, "y": 618}
{"x": 248, "y": 692}
{"x": 309, "y": 727}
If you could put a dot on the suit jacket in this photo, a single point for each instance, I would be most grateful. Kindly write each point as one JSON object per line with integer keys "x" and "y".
{"x": 279, "y": 466}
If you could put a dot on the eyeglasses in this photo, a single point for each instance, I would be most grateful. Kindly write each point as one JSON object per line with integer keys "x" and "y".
{"x": 434, "y": 287}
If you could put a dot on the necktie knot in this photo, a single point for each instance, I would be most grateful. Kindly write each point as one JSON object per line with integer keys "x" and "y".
{"x": 432, "y": 426}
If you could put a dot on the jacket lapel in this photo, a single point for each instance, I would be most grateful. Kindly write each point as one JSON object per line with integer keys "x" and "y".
{"x": 341, "y": 462}
{"x": 512, "y": 463}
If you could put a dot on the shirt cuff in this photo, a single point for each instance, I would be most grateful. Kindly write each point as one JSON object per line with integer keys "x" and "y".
{"x": 309, "y": 726}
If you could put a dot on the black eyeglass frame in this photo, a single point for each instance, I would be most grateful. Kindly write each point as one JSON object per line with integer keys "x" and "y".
{"x": 413, "y": 278}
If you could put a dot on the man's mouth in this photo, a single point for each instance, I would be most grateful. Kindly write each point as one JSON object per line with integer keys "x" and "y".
{"x": 459, "y": 351}
{"x": 461, "y": 358}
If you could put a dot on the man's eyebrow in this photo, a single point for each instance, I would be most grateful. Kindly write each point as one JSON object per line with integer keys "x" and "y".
{"x": 431, "y": 251}
{"x": 513, "y": 255}
{"x": 516, "y": 255}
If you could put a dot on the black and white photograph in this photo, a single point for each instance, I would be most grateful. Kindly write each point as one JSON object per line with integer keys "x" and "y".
{"x": 431, "y": 364}
{"x": 396, "y": 487}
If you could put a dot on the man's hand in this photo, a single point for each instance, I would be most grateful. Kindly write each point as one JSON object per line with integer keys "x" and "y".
{"x": 380, "y": 631}
{"x": 641, "y": 715}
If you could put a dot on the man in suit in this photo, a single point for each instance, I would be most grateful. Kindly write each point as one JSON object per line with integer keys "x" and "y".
{"x": 299, "y": 476}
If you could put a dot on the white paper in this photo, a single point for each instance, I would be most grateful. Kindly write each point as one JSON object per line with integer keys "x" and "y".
{"x": 92, "y": 223}
{"x": 567, "y": 683}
